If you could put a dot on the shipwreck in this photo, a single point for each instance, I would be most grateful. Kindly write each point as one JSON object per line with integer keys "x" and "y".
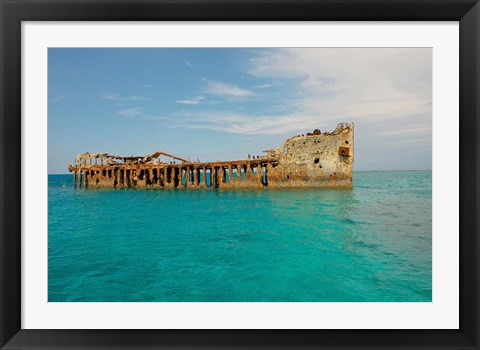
{"x": 314, "y": 159}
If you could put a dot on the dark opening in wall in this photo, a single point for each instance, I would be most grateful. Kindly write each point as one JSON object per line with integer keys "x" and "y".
{"x": 346, "y": 142}
{"x": 320, "y": 166}
{"x": 127, "y": 177}
{"x": 287, "y": 177}
{"x": 104, "y": 173}
{"x": 169, "y": 175}
{"x": 344, "y": 151}
{"x": 316, "y": 160}
{"x": 175, "y": 177}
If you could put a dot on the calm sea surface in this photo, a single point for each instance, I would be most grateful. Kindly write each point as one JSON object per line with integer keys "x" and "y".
{"x": 371, "y": 243}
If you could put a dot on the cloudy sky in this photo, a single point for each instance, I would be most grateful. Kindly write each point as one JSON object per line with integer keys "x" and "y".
{"x": 222, "y": 104}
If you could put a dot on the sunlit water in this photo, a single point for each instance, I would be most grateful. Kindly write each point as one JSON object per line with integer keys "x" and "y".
{"x": 371, "y": 243}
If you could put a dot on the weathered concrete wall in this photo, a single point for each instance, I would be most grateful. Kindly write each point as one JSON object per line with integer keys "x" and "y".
{"x": 311, "y": 160}
{"x": 315, "y": 159}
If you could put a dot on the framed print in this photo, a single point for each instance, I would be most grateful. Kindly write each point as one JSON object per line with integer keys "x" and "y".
{"x": 250, "y": 174}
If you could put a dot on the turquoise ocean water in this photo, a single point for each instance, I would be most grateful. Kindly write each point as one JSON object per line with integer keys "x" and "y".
{"x": 371, "y": 243}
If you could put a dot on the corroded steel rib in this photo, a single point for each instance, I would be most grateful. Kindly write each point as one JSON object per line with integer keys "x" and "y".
{"x": 158, "y": 153}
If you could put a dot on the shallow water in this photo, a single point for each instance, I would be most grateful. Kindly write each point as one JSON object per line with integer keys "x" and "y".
{"x": 371, "y": 243}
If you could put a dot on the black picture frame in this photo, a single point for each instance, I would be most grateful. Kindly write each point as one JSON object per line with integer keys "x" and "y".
{"x": 13, "y": 12}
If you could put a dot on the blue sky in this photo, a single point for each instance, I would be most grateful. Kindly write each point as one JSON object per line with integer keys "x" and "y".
{"x": 222, "y": 104}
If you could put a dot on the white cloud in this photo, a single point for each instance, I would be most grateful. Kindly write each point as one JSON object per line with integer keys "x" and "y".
{"x": 57, "y": 99}
{"x": 408, "y": 130}
{"x": 192, "y": 101}
{"x": 246, "y": 124}
{"x": 263, "y": 86}
{"x": 187, "y": 62}
{"x": 118, "y": 98}
{"x": 138, "y": 113}
{"x": 381, "y": 88}
{"x": 367, "y": 83}
{"x": 221, "y": 89}
{"x": 132, "y": 112}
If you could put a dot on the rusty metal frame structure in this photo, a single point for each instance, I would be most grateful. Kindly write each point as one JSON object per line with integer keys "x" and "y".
{"x": 293, "y": 164}
{"x": 13, "y": 12}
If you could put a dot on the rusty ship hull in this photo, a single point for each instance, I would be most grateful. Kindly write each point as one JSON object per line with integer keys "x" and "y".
{"x": 311, "y": 160}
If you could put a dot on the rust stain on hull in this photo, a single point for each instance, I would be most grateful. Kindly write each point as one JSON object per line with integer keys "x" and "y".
{"x": 311, "y": 160}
